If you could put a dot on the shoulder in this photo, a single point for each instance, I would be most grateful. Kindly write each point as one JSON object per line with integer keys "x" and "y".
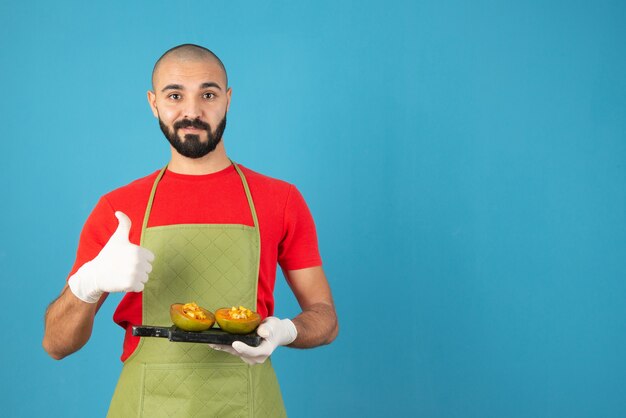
{"x": 138, "y": 189}
{"x": 257, "y": 177}
{"x": 130, "y": 199}
{"x": 262, "y": 183}
{"x": 278, "y": 196}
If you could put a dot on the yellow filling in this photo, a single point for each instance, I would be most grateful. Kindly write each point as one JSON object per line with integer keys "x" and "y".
{"x": 193, "y": 311}
{"x": 240, "y": 313}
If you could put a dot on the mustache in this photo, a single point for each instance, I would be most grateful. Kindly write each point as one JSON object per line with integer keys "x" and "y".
{"x": 196, "y": 123}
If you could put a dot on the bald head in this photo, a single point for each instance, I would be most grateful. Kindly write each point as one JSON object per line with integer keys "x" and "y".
{"x": 188, "y": 53}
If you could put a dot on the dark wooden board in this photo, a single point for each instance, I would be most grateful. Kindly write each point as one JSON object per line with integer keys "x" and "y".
{"x": 212, "y": 336}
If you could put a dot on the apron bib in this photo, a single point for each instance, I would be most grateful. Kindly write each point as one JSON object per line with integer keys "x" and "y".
{"x": 214, "y": 265}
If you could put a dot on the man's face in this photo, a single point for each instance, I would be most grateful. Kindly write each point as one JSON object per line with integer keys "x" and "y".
{"x": 191, "y": 100}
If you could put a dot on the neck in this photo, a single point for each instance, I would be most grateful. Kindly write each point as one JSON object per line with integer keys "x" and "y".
{"x": 213, "y": 162}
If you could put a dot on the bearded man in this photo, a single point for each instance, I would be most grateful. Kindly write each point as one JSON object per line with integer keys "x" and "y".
{"x": 201, "y": 229}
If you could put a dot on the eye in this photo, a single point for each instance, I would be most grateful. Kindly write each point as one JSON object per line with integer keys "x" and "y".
{"x": 208, "y": 96}
{"x": 174, "y": 96}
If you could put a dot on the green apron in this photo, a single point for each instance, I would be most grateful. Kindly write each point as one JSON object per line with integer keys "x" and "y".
{"x": 214, "y": 265}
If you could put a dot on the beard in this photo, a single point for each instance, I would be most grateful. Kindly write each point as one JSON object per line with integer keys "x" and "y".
{"x": 192, "y": 146}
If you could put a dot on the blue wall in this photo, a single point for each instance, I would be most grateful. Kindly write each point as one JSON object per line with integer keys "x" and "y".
{"x": 464, "y": 161}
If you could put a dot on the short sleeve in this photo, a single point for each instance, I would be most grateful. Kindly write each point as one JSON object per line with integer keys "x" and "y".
{"x": 96, "y": 232}
{"x": 298, "y": 248}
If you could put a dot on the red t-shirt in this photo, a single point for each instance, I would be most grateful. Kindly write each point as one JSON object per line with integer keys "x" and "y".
{"x": 287, "y": 230}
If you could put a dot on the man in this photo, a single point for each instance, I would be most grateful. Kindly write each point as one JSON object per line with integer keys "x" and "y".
{"x": 202, "y": 229}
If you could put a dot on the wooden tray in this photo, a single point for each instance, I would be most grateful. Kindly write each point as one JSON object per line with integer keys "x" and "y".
{"x": 212, "y": 336}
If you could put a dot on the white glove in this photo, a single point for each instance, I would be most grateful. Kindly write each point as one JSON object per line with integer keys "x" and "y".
{"x": 119, "y": 267}
{"x": 274, "y": 331}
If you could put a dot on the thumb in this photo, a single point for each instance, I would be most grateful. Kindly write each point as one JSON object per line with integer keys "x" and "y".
{"x": 243, "y": 348}
{"x": 264, "y": 330}
{"x": 123, "y": 227}
{"x": 267, "y": 327}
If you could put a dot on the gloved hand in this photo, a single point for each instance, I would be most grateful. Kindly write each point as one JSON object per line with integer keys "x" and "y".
{"x": 274, "y": 331}
{"x": 119, "y": 267}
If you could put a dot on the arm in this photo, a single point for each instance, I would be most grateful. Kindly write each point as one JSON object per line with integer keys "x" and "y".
{"x": 119, "y": 267}
{"x": 317, "y": 324}
{"x": 68, "y": 324}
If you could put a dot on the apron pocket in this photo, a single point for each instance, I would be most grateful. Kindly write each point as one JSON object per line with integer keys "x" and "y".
{"x": 195, "y": 390}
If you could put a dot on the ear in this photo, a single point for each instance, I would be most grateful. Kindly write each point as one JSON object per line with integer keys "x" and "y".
{"x": 152, "y": 103}
{"x": 229, "y": 93}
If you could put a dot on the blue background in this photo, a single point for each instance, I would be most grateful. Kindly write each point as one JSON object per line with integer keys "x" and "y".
{"x": 464, "y": 162}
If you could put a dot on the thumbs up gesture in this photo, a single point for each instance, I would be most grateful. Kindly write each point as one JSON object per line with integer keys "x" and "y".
{"x": 119, "y": 267}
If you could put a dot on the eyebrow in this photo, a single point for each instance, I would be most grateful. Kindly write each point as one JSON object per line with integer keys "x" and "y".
{"x": 210, "y": 84}
{"x": 202, "y": 86}
{"x": 172, "y": 87}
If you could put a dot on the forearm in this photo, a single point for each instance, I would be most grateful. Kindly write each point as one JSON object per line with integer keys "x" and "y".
{"x": 317, "y": 325}
{"x": 68, "y": 324}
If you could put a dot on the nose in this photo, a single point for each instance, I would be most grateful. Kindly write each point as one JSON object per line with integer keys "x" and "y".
{"x": 192, "y": 109}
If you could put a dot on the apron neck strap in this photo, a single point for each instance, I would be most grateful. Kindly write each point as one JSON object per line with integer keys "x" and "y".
{"x": 248, "y": 194}
{"x": 146, "y": 215}
{"x": 160, "y": 175}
